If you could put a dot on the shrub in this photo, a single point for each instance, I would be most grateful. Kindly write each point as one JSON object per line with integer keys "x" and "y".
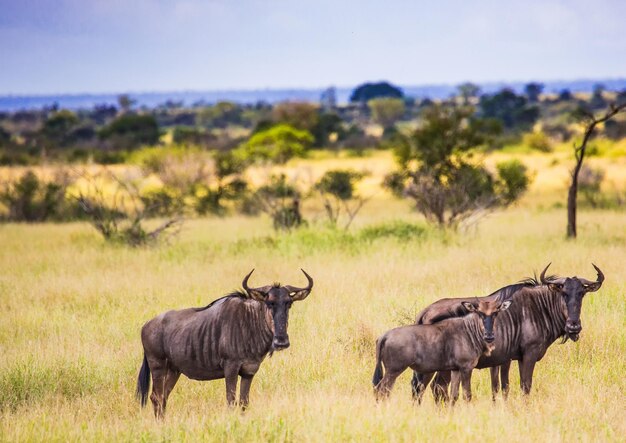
{"x": 538, "y": 140}
{"x": 337, "y": 188}
{"x": 281, "y": 201}
{"x": 32, "y": 199}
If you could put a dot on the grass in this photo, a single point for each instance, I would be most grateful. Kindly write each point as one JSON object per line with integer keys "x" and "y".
{"x": 72, "y": 308}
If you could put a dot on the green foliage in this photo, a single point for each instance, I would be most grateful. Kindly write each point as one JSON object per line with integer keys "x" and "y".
{"x": 513, "y": 181}
{"x": 446, "y": 136}
{"x": 281, "y": 201}
{"x": 192, "y": 136}
{"x": 438, "y": 172}
{"x": 220, "y": 115}
{"x": 131, "y": 131}
{"x": 509, "y": 108}
{"x": 329, "y": 124}
{"x": 533, "y": 91}
{"x": 397, "y": 229}
{"x": 367, "y": 91}
{"x": 337, "y": 188}
{"x": 339, "y": 183}
{"x": 538, "y": 141}
{"x": 56, "y": 129}
{"x": 277, "y": 144}
{"x": 31, "y": 199}
{"x": 300, "y": 115}
{"x": 468, "y": 91}
{"x": 386, "y": 111}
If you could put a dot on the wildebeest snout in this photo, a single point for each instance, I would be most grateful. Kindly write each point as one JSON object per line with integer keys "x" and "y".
{"x": 489, "y": 337}
{"x": 573, "y": 327}
{"x": 281, "y": 342}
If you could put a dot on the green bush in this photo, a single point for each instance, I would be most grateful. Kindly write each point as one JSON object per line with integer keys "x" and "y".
{"x": 538, "y": 141}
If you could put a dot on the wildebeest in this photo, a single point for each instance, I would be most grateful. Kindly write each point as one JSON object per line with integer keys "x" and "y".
{"x": 543, "y": 311}
{"x": 454, "y": 344}
{"x": 228, "y": 338}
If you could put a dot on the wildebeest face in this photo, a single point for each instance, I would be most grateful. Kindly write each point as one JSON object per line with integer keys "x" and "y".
{"x": 573, "y": 290}
{"x": 278, "y": 300}
{"x": 487, "y": 311}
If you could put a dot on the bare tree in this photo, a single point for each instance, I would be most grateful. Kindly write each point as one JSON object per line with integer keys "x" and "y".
{"x": 591, "y": 122}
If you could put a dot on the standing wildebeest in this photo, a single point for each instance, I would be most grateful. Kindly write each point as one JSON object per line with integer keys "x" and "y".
{"x": 454, "y": 344}
{"x": 543, "y": 312}
{"x": 228, "y": 338}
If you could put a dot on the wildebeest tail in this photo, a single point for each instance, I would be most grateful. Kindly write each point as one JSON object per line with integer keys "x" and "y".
{"x": 143, "y": 382}
{"x": 378, "y": 371}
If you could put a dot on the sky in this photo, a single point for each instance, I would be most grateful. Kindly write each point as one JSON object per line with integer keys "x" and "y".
{"x": 79, "y": 46}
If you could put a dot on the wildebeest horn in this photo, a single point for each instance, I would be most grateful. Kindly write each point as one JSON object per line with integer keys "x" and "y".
{"x": 592, "y": 286}
{"x": 256, "y": 293}
{"x": 542, "y": 277}
{"x": 551, "y": 279}
{"x": 300, "y": 293}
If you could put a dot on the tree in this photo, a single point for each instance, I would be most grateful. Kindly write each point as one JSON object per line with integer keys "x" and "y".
{"x": 130, "y": 131}
{"x": 329, "y": 125}
{"x": 511, "y": 109}
{"x": 386, "y": 111}
{"x": 591, "y": 121}
{"x": 338, "y": 190}
{"x": 125, "y": 102}
{"x": 367, "y": 91}
{"x": 565, "y": 95}
{"x": 533, "y": 91}
{"x": 597, "y": 97}
{"x": 437, "y": 169}
{"x": 281, "y": 201}
{"x": 300, "y": 115}
{"x": 278, "y": 144}
{"x": 56, "y": 129}
{"x": 328, "y": 99}
{"x": 468, "y": 91}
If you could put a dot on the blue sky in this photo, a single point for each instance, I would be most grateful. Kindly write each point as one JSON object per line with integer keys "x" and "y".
{"x": 76, "y": 46}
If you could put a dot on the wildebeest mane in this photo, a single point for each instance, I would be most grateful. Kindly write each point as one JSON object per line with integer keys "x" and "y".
{"x": 533, "y": 281}
{"x": 238, "y": 293}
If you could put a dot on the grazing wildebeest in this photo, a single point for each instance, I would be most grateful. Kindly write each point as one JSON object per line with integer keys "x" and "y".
{"x": 454, "y": 344}
{"x": 544, "y": 311}
{"x": 228, "y": 338}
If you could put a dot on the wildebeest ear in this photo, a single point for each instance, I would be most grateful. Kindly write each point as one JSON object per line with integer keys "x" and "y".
{"x": 469, "y": 306}
{"x": 505, "y": 305}
{"x": 554, "y": 287}
{"x": 257, "y": 295}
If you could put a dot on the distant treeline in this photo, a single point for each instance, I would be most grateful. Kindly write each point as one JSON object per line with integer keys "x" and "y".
{"x": 376, "y": 112}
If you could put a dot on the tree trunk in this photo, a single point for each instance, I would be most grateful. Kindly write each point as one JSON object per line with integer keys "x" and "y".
{"x": 579, "y": 152}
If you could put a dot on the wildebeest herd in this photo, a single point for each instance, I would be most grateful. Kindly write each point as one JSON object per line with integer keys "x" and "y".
{"x": 230, "y": 337}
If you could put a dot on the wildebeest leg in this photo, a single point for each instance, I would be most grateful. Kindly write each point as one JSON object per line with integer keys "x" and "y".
{"x": 440, "y": 386}
{"x": 416, "y": 381}
{"x": 421, "y": 384}
{"x": 171, "y": 378}
{"x": 526, "y": 368}
{"x": 454, "y": 386}
{"x": 383, "y": 388}
{"x": 495, "y": 382}
{"x": 466, "y": 379}
{"x": 159, "y": 381}
{"x": 504, "y": 378}
{"x": 244, "y": 394}
{"x": 231, "y": 374}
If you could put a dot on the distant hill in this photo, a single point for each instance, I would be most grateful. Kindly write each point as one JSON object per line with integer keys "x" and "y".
{"x": 152, "y": 99}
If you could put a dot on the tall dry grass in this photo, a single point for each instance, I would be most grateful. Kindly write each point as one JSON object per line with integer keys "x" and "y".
{"x": 72, "y": 308}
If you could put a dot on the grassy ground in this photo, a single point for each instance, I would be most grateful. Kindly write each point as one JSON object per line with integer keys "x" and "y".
{"x": 72, "y": 308}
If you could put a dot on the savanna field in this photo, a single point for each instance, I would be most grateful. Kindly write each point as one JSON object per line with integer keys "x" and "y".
{"x": 72, "y": 309}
